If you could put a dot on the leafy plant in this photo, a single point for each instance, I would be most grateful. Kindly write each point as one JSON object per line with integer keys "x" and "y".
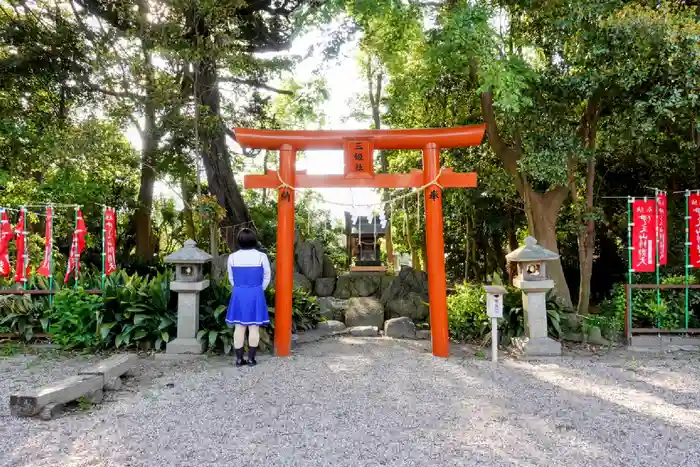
{"x": 215, "y": 332}
{"x": 467, "y": 317}
{"x": 646, "y": 312}
{"x": 22, "y": 316}
{"x": 468, "y": 320}
{"x": 137, "y": 309}
{"x": 75, "y": 319}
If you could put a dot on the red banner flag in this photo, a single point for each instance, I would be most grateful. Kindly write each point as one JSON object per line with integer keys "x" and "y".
{"x": 694, "y": 229}
{"x": 643, "y": 236}
{"x": 662, "y": 223}
{"x": 22, "y": 266}
{"x": 77, "y": 246}
{"x": 45, "y": 268}
{"x": 110, "y": 241}
{"x": 6, "y": 235}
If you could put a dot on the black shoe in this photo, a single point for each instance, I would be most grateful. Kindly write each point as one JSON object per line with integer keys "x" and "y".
{"x": 251, "y": 355}
{"x": 239, "y": 357}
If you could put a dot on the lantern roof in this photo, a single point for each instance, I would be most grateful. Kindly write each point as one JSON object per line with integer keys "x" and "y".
{"x": 189, "y": 254}
{"x": 531, "y": 252}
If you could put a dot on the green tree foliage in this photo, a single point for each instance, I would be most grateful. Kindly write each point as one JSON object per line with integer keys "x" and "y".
{"x": 562, "y": 88}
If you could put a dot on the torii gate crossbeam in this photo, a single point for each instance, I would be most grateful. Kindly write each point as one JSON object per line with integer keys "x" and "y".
{"x": 359, "y": 172}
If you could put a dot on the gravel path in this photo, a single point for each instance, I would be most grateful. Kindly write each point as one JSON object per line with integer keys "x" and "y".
{"x": 374, "y": 402}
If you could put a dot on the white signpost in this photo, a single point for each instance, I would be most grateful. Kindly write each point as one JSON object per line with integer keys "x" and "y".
{"x": 494, "y": 309}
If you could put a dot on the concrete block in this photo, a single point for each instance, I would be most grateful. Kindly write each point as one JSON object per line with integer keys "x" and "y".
{"x": 179, "y": 286}
{"x": 66, "y": 390}
{"x": 182, "y": 345}
{"x": 113, "y": 384}
{"x": 112, "y": 368}
{"x": 51, "y": 411}
{"x": 94, "y": 397}
{"x": 654, "y": 341}
{"x": 187, "y": 315}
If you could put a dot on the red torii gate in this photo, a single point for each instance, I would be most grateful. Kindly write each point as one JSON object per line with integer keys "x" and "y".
{"x": 359, "y": 172}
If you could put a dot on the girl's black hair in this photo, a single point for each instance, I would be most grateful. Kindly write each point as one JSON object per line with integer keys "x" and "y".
{"x": 247, "y": 239}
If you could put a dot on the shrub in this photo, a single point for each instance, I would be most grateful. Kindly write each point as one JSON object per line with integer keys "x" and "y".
{"x": 646, "y": 312}
{"x": 138, "y": 309}
{"x": 468, "y": 321}
{"x": 466, "y": 315}
{"x": 75, "y": 319}
{"x": 22, "y": 316}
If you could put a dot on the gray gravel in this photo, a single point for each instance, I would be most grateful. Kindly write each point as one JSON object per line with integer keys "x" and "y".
{"x": 370, "y": 402}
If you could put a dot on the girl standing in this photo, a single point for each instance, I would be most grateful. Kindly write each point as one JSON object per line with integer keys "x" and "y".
{"x": 249, "y": 274}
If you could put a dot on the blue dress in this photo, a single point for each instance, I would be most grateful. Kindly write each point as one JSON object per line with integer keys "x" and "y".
{"x": 247, "y": 306}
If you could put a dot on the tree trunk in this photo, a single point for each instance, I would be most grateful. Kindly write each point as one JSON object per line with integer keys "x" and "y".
{"x": 187, "y": 214}
{"x": 142, "y": 217}
{"x": 499, "y": 256}
{"x": 512, "y": 246}
{"x": 415, "y": 258}
{"x": 145, "y": 246}
{"x": 542, "y": 211}
{"x": 348, "y": 239}
{"x": 374, "y": 83}
{"x": 143, "y": 230}
{"x": 589, "y": 125}
{"x": 215, "y": 155}
{"x": 214, "y": 246}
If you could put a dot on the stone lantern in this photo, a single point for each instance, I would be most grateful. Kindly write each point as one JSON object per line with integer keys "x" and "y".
{"x": 532, "y": 279}
{"x": 189, "y": 280}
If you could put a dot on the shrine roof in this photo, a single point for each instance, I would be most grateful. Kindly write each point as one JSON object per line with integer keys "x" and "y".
{"x": 367, "y": 227}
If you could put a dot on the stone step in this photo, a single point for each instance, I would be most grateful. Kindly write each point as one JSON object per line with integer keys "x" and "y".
{"x": 69, "y": 389}
{"x": 112, "y": 368}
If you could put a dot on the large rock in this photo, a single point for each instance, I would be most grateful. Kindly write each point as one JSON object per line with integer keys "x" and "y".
{"x": 330, "y": 326}
{"x": 324, "y": 286}
{"x": 385, "y": 283}
{"x": 408, "y": 280}
{"x": 357, "y": 285}
{"x": 333, "y": 308}
{"x": 364, "y": 311}
{"x": 301, "y": 282}
{"x": 364, "y": 331}
{"x": 400, "y": 327}
{"x": 411, "y": 306}
{"x": 594, "y": 336}
{"x": 328, "y": 268}
{"x": 309, "y": 258}
{"x": 572, "y": 322}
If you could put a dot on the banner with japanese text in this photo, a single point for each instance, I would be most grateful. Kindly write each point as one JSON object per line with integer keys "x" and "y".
{"x": 22, "y": 266}
{"x": 110, "y": 241}
{"x": 76, "y": 248}
{"x": 662, "y": 223}
{"x": 694, "y": 229}
{"x": 644, "y": 235}
{"x": 45, "y": 268}
{"x": 6, "y": 235}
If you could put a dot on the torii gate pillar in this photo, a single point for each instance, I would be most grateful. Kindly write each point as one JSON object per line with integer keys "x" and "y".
{"x": 359, "y": 172}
